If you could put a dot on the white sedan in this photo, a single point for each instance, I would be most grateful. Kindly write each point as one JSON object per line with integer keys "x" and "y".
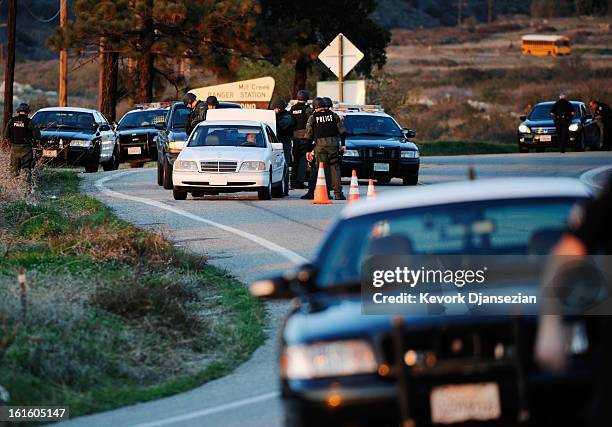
{"x": 227, "y": 154}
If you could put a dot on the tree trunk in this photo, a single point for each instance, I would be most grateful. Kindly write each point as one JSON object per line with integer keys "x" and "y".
{"x": 301, "y": 74}
{"x": 9, "y": 71}
{"x": 108, "y": 95}
{"x": 146, "y": 61}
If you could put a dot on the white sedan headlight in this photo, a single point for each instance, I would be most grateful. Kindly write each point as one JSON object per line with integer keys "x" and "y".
{"x": 176, "y": 145}
{"x": 253, "y": 166}
{"x": 574, "y": 127}
{"x": 80, "y": 143}
{"x": 351, "y": 153}
{"x": 328, "y": 359}
{"x": 186, "y": 165}
{"x": 524, "y": 129}
{"x": 409, "y": 154}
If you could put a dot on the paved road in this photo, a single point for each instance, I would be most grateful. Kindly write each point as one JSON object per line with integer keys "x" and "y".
{"x": 250, "y": 238}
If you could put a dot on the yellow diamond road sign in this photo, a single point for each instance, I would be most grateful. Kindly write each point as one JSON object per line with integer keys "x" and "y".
{"x": 341, "y": 47}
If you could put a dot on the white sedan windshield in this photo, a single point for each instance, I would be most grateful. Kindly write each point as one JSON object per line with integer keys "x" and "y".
{"x": 227, "y": 136}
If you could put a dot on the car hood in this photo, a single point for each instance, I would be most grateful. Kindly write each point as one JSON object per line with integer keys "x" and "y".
{"x": 224, "y": 153}
{"x": 67, "y": 134}
{"x": 341, "y": 318}
{"x": 544, "y": 123}
{"x": 357, "y": 141}
{"x": 137, "y": 131}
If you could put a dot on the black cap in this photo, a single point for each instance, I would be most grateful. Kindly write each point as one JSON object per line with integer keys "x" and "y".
{"x": 23, "y": 108}
{"x": 318, "y": 103}
{"x": 212, "y": 100}
{"x": 328, "y": 102}
{"x": 302, "y": 95}
{"x": 280, "y": 104}
{"x": 189, "y": 98}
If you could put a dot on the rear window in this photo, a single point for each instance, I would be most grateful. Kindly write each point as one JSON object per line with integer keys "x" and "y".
{"x": 227, "y": 136}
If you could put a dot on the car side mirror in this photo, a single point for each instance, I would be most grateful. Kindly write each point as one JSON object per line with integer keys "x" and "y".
{"x": 284, "y": 286}
{"x": 523, "y": 118}
{"x": 105, "y": 128}
{"x": 277, "y": 146}
{"x": 115, "y": 125}
{"x": 160, "y": 125}
{"x": 95, "y": 127}
{"x": 408, "y": 133}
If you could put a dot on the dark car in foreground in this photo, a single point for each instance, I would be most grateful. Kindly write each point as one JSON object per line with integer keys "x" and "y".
{"x": 378, "y": 148}
{"x": 339, "y": 367}
{"x": 537, "y": 130}
{"x": 171, "y": 140}
{"x": 77, "y": 137}
{"x": 137, "y": 133}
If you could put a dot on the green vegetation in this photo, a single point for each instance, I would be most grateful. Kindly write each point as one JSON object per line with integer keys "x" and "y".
{"x": 457, "y": 148}
{"x": 113, "y": 315}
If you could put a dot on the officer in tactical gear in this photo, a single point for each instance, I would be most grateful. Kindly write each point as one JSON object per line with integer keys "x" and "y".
{"x": 562, "y": 112}
{"x": 603, "y": 115}
{"x": 198, "y": 111}
{"x": 22, "y": 135}
{"x": 284, "y": 128}
{"x": 325, "y": 128}
{"x": 300, "y": 112}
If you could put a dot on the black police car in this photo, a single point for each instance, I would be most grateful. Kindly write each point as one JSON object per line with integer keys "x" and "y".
{"x": 377, "y": 147}
{"x": 339, "y": 367}
{"x": 77, "y": 136}
{"x": 171, "y": 139}
{"x": 538, "y": 131}
{"x": 137, "y": 133}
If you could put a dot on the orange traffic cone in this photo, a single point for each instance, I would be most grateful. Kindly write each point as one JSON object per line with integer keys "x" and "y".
{"x": 354, "y": 191}
{"x": 320, "y": 194}
{"x": 371, "y": 190}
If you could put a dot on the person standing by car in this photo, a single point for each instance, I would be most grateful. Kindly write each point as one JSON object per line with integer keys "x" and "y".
{"x": 603, "y": 115}
{"x": 300, "y": 112}
{"x": 22, "y": 134}
{"x": 197, "y": 114}
{"x": 284, "y": 128}
{"x": 562, "y": 112}
{"x": 325, "y": 128}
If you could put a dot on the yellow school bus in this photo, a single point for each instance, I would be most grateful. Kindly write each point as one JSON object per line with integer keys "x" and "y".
{"x": 545, "y": 45}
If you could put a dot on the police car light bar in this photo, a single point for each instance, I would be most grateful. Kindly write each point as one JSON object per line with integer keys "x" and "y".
{"x": 153, "y": 105}
{"x": 344, "y": 107}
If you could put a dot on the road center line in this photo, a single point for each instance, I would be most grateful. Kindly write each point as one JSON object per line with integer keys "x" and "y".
{"x": 209, "y": 411}
{"x": 271, "y": 246}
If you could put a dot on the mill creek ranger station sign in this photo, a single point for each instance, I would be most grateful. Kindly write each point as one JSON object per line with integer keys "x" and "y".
{"x": 254, "y": 93}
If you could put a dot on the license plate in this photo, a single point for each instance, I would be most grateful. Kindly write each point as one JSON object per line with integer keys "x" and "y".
{"x": 381, "y": 167}
{"x": 545, "y": 138}
{"x": 49, "y": 153}
{"x": 218, "y": 180}
{"x": 134, "y": 150}
{"x": 466, "y": 402}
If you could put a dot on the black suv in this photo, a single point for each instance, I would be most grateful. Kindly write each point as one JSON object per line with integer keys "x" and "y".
{"x": 171, "y": 139}
{"x": 538, "y": 131}
{"x": 377, "y": 147}
{"x": 137, "y": 132}
{"x": 77, "y": 136}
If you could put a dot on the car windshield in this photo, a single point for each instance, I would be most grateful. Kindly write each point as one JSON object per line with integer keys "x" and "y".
{"x": 501, "y": 227}
{"x": 180, "y": 117}
{"x": 542, "y": 112}
{"x": 227, "y": 136}
{"x": 64, "y": 120}
{"x": 142, "y": 119}
{"x": 371, "y": 125}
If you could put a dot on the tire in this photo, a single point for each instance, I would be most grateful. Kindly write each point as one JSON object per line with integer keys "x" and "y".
{"x": 160, "y": 174}
{"x": 94, "y": 164}
{"x": 265, "y": 193}
{"x": 167, "y": 182}
{"x": 410, "y": 180}
{"x": 280, "y": 190}
{"x": 113, "y": 163}
{"x": 179, "y": 195}
{"x": 384, "y": 180}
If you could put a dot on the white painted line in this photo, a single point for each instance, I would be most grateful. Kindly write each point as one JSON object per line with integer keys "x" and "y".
{"x": 210, "y": 411}
{"x": 588, "y": 177}
{"x": 271, "y": 246}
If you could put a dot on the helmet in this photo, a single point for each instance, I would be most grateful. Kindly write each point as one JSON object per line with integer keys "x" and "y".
{"x": 302, "y": 95}
{"x": 328, "y": 102}
{"x": 280, "y": 104}
{"x": 23, "y": 108}
{"x": 318, "y": 103}
{"x": 212, "y": 100}
{"x": 189, "y": 98}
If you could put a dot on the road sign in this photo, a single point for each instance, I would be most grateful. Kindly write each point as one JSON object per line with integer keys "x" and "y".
{"x": 354, "y": 91}
{"x": 255, "y": 93}
{"x": 341, "y": 47}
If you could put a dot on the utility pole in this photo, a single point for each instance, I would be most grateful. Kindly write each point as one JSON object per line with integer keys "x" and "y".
{"x": 340, "y": 70}
{"x": 101, "y": 75}
{"x": 9, "y": 71}
{"x": 489, "y": 12}
{"x": 63, "y": 71}
{"x": 459, "y": 12}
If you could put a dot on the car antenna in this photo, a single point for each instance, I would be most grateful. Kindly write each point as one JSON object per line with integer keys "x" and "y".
{"x": 471, "y": 172}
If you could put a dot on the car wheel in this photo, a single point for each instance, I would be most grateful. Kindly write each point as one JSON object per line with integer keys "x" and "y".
{"x": 384, "y": 180}
{"x": 280, "y": 189}
{"x": 265, "y": 193}
{"x": 179, "y": 195}
{"x": 160, "y": 174}
{"x": 167, "y": 175}
{"x": 410, "y": 180}
{"x": 93, "y": 164}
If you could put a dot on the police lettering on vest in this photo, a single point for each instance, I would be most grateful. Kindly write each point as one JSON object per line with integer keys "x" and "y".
{"x": 299, "y": 114}
{"x": 19, "y": 132}
{"x": 325, "y": 124}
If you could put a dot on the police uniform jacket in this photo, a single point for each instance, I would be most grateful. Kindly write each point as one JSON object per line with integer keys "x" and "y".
{"x": 21, "y": 131}
{"x": 325, "y": 127}
{"x": 300, "y": 112}
{"x": 197, "y": 115}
